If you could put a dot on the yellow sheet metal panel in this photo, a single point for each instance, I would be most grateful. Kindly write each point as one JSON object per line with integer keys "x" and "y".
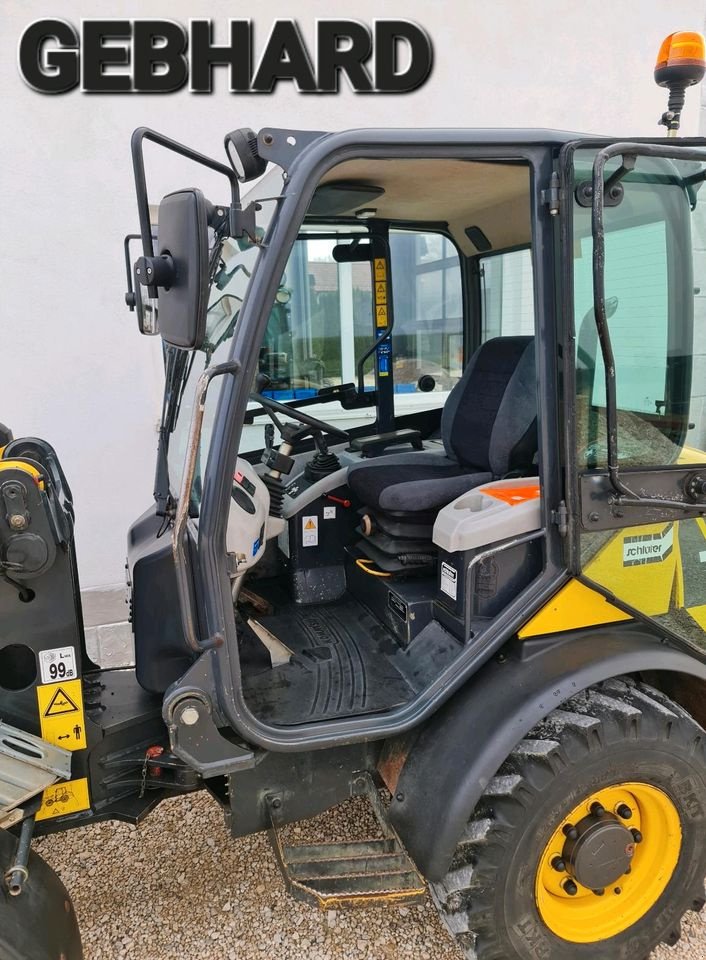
{"x": 574, "y": 606}
{"x": 639, "y": 565}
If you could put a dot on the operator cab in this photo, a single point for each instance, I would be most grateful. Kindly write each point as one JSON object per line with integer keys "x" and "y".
{"x": 398, "y": 329}
{"x": 386, "y": 498}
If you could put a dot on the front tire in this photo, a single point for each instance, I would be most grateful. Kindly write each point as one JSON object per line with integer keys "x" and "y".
{"x": 530, "y": 879}
{"x": 40, "y": 923}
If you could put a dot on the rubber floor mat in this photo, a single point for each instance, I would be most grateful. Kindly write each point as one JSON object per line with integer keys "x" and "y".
{"x": 341, "y": 666}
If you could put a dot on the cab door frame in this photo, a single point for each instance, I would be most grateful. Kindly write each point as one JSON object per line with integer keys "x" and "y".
{"x": 220, "y": 672}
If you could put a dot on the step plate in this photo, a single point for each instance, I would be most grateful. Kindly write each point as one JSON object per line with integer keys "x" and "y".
{"x": 359, "y": 873}
{"x": 28, "y": 765}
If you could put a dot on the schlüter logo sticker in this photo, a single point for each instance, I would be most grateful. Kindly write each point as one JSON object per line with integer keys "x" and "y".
{"x": 648, "y": 547}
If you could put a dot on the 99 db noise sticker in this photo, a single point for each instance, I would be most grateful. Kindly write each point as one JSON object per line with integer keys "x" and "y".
{"x": 57, "y": 664}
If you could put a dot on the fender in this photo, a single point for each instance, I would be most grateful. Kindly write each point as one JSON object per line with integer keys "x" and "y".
{"x": 464, "y": 745}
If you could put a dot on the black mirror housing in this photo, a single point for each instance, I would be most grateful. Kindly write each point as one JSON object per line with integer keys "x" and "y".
{"x": 182, "y": 248}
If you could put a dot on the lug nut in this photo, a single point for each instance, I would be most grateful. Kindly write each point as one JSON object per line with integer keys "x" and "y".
{"x": 629, "y": 870}
{"x": 558, "y": 865}
{"x": 597, "y": 809}
{"x": 570, "y": 888}
{"x": 571, "y": 832}
{"x": 636, "y": 835}
{"x": 624, "y": 811}
{"x": 599, "y": 893}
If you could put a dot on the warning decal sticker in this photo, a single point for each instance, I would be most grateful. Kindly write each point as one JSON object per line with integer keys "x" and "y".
{"x": 61, "y": 714}
{"x": 449, "y": 580}
{"x": 381, "y": 315}
{"x": 60, "y": 703}
{"x": 62, "y": 798}
{"x": 310, "y": 531}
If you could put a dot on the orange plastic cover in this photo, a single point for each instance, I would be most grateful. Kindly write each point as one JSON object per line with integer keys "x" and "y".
{"x": 679, "y": 48}
{"x": 513, "y": 495}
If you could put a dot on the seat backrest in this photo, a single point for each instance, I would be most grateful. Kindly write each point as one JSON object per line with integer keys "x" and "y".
{"x": 489, "y": 420}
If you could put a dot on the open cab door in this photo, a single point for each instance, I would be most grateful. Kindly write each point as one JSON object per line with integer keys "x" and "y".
{"x": 634, "y": 236}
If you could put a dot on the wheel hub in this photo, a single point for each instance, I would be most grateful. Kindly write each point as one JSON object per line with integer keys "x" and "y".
{"x": 607, "y": 862}
{"x": 599, "y": 851}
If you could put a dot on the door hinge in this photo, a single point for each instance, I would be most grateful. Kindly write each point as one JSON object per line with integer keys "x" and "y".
{"x": 552, "y": 195}
{"x": 560, "y": 517}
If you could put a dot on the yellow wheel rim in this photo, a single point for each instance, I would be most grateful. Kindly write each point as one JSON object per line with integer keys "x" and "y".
{"x": 580, "y": 915}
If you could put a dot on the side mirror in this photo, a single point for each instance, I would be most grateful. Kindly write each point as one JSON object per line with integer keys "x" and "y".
{"x": 179, "y": 270}
{"x": 182, "y": 241}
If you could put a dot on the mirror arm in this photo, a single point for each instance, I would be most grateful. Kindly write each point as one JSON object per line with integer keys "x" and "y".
{"x": 143, "y": 206}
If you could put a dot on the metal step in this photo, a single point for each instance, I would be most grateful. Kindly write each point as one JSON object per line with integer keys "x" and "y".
{"x": 28, "y": 765}
{"x": 355, "y": 873}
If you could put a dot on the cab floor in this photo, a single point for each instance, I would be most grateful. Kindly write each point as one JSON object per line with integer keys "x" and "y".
{"x": 342, "y": 664}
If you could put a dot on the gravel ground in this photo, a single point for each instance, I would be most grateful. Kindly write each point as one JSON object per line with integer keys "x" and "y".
{"x": 178, "y": 888}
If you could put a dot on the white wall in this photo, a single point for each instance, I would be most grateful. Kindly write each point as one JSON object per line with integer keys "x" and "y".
{"x": 74, "y": 370}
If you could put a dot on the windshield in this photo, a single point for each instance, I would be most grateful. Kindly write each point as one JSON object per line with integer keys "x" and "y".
{"x": 233, "y": 264}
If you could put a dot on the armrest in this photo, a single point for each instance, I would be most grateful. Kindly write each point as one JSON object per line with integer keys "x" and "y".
{"x": 376, "y": 444}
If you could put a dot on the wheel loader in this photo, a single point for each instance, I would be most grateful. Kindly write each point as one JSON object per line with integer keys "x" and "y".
{"x": 428, "y": 527}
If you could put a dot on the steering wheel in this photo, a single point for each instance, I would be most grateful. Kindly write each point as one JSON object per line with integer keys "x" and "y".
{"x": 274, "y": 406}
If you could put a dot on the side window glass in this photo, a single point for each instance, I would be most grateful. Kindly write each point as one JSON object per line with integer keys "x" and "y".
{"x": 507, "y": 295}
{"x": 428, "y": 330}
{"x": 637, "y": 287}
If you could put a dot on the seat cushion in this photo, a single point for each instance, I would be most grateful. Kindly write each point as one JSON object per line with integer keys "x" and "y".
{"x": 412, "y": 483}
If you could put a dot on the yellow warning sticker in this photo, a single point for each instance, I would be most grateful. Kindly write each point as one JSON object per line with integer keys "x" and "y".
{"x": 381, "y": 292}
{"x": 61, "y": 714}
{"x": 63, "y": 798}
{"x": 381, "y": 316}
{"x": 380, "y": 268}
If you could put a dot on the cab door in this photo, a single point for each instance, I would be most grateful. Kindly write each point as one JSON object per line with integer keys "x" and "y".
{"x": 635, "y": 270}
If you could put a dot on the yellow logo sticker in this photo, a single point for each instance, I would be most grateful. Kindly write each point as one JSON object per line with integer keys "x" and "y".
{"x": 63, "y": 798}
{"x": 61, "y": 714}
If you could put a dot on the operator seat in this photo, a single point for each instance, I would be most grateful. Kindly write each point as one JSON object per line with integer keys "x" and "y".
{"x": 489, "y": 430}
